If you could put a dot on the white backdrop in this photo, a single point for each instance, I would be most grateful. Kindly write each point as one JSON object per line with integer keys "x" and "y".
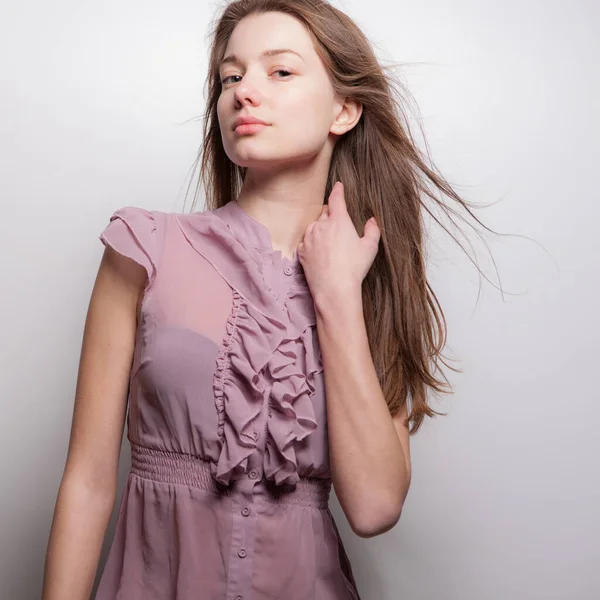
{"x": 100, "y": 105}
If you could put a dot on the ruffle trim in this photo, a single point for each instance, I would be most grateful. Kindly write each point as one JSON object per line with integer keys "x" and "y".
{"x": 291, "y": 412}
{"x": 238, "y": 394}
{"x": 242, "y": 380}
{"x": 223, "y": 361}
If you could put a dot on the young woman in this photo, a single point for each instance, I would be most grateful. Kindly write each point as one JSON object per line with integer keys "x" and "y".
{"x": 268, "y": 346}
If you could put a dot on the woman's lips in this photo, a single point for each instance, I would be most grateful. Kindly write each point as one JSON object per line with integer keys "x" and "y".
{"x": 247, "y": 128}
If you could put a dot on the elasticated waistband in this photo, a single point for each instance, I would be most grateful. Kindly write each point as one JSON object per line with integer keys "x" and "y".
{"x": 186, "y": 469}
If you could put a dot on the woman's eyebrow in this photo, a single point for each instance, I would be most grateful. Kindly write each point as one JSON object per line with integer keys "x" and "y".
{"x": 233, "y": 59}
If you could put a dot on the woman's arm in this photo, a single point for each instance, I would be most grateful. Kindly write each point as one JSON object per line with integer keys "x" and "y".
{"x": 368, "y": 448}
{"x": 87, "y": 491}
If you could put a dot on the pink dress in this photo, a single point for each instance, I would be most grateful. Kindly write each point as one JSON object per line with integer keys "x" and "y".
{"x": 227, "y": 496}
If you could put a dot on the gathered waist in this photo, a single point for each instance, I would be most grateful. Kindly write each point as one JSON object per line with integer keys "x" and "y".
{"x": 186, "y": 469}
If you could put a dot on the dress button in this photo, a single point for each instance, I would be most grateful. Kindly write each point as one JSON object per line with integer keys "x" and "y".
{"x": 256, "y": 435}
{"x": 288, "y": 270}
{"x": 253, "y": 474}
{"x": 242, "y": 553}
{"x": 239, "y": 597}
{"x": 245, "y": 511}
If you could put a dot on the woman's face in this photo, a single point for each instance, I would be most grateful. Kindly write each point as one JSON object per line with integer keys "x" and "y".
{"x": 290, "y": 92}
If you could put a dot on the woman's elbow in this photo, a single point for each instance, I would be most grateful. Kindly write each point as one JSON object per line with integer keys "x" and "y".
{"x": 376, "y": 521}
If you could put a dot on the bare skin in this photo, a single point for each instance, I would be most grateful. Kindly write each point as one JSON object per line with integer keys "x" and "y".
{"x": 87, "y": 491}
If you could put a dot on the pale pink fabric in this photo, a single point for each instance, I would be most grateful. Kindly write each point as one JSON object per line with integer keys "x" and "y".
{"x": 227, "y": 497}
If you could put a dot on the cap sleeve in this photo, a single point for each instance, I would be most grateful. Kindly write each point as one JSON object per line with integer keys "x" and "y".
{"x": 131, "y": 231}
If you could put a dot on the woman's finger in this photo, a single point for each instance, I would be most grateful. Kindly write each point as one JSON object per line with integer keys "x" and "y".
{"x": 324, "y": 213}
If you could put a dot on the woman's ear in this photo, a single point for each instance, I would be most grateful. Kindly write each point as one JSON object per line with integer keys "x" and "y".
{"x": 347, "y": 117}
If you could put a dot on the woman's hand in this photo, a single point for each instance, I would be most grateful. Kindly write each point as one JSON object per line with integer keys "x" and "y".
{"x": 334, "y": 258}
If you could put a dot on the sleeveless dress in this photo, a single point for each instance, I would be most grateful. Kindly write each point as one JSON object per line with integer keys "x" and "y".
{"x": 227, "y": 495}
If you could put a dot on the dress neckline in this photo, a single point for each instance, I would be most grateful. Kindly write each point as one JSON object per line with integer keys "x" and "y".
{"x": 253, "y": 231}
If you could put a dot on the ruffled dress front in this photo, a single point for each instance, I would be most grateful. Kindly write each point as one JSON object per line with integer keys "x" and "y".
{"x": 227, "y": 495}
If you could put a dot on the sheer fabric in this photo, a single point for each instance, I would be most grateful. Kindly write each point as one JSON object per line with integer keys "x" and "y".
{"x": 227, "y": 496}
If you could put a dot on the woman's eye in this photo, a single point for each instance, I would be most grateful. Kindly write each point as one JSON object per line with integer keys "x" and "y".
{"x": 286, "y": 73}
{"x": 224, "y": 80}
{"x": 282, "y": 71}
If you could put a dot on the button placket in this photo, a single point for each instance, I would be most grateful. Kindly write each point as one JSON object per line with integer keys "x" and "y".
{"x": 242, "y": 537}
{"x": 279, "y": 276}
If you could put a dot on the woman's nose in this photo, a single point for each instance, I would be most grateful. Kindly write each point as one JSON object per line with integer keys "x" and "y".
{"x": 246, "y": 91}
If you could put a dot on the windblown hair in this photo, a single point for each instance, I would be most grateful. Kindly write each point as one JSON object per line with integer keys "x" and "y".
{"x": 384, "y": 175}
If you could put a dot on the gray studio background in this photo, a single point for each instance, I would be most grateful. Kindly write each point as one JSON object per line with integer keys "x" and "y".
{"x": 100, "y": 108}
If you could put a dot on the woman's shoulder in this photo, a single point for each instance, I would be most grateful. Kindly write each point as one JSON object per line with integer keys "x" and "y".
{"x": 150, "y": 219}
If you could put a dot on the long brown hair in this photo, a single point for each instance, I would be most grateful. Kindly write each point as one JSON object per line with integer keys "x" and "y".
{"x": 384, "y": 175}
